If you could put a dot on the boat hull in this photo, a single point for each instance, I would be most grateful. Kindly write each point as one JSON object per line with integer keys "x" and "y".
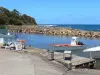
{"x": 95, "y": 54}
{"x": 67, "y": 48}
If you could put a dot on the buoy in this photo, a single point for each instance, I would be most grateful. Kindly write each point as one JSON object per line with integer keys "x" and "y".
{"x": 22, "y": 41}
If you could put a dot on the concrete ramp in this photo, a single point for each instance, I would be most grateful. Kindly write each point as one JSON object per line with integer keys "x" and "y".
{"x": 13, "y": 63}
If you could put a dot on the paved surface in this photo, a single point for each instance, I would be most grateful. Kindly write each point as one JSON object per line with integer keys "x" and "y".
{"x": 13, "y": 63}
{"x": 83, "y": 72}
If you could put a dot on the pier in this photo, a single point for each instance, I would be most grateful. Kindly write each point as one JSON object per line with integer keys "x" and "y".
{"x": 71, "y": 60}
{"x": 34, "y": 61}
{"x": 23, "y": 63}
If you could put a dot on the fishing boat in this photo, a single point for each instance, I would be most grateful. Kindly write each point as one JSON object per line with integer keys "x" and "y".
{"x": 74, "y": 45}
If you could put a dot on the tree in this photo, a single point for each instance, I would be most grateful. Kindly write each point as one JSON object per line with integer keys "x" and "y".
{"x": 14, "y": 17}
{"x": 14, "y": 21}
{"x": 4, "y": 11}
{"x": 3, "y": 19}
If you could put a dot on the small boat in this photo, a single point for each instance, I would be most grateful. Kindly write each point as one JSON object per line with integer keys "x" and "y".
{"x": 8, "y": 33}
{"x": 75, "y": 45}
{"x": 94, "y": 52}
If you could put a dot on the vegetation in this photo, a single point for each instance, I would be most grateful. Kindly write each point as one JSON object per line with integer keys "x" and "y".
{"x": 14, "y": 17}
{"x": 3, "y": 27}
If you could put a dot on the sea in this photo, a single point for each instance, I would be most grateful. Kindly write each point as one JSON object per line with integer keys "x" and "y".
{"x": 43, "y": 41}
{"x": 89, "y": 27}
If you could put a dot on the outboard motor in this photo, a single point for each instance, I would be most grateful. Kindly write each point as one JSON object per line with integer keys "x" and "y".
{"x": 80, "y": 43}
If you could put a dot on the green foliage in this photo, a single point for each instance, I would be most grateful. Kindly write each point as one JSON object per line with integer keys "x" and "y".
{"x": 3, "y": 19}
{"x": 2, "y": 27}
{"x": 15, "y": 18}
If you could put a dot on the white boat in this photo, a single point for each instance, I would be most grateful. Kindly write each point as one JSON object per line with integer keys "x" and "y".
{"x": 8, "y": 33}
{"x": 75, "y": 45}
{"x": 94, "y": 52}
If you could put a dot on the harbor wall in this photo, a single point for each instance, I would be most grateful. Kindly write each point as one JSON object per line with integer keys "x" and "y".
{"x": 53, "y": 31}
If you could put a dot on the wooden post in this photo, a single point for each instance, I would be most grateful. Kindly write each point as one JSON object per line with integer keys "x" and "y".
{"x": 68, "y": 58}
{"x": 91, "y": 65}
{"x": 70, "y": 64}
{"x": 51, "y": 55}
{"x": 90, "y": 55}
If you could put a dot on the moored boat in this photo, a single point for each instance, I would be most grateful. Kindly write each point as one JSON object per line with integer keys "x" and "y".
{"x": 75, "y": 45}
{"x": 94, "y": 52}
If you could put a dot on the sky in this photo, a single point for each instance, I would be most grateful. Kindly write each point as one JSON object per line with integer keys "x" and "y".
{"x": 57, "y": 11}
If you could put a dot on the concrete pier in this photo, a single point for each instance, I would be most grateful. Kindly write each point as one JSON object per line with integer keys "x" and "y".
{"x": 14, "y": 63}
{"x": 76, "y": 61}
{"x": 32, "y": 62}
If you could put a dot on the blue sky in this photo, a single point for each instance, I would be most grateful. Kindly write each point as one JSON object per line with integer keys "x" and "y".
{"x": 58, "y": 11}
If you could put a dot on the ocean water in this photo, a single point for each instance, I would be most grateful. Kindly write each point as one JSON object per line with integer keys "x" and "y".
{"x": 44, "y": 41}
{"x": 3, "y": 31}
{"x": 3, "y": 34}
{"x": 89, "y": 27}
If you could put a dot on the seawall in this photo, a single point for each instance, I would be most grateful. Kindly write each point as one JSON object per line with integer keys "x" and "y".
{"x": 53, "y": 31}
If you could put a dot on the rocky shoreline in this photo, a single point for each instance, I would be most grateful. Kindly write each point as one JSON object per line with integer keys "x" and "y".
{"x": 53, "y": 31}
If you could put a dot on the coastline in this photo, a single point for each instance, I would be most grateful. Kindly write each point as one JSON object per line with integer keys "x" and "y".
{"x": 53, "y": 31}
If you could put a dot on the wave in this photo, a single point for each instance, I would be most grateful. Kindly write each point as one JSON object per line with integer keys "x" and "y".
{"x": 48, "y": 25}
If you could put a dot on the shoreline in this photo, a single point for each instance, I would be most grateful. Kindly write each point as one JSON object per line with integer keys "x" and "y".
{"x": 53, "y": 31}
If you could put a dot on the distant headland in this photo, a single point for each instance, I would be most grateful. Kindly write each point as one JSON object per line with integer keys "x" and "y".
{"x": 14, "y": 17}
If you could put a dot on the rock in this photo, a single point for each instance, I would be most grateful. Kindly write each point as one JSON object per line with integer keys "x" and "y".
{"x": 54, "y": 31}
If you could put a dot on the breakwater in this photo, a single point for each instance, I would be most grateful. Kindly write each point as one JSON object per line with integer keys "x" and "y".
{"x": 53, "y": 31}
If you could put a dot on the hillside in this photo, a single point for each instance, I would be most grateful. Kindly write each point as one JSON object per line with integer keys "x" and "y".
{"x": 14, "y": 17}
